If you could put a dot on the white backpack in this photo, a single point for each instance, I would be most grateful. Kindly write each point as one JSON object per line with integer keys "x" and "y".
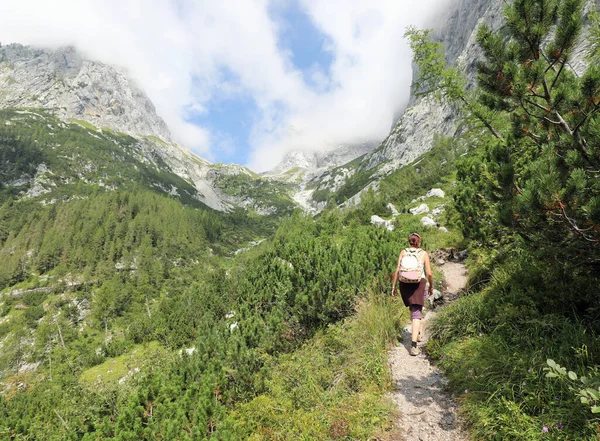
{"x": 411, "y": 265}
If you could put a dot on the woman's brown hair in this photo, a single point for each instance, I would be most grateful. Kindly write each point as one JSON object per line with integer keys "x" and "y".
{"x": 414, "y": 239}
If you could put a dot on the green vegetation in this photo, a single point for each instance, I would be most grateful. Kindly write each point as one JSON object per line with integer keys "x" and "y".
{"x": 67, "y": 160}
{"x": 114, "y": 369}
{"x": 526, "y": 199}
{"x": 85, "y": 124}
{"x": 271, "y": 194}
{"x": 332, "y": 387}
{"x": 358, "y": 180}
{"x": 147, "y": 277}
{"x": 436, "y": 168}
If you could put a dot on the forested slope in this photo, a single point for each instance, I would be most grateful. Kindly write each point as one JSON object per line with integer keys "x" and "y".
{"x": 125, "y": 313}
{"x": 238, "y": 321}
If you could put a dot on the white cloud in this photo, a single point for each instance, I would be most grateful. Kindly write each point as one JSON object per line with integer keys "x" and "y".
{"x": 370, "y": 76}
{"x": 176, "y": 50}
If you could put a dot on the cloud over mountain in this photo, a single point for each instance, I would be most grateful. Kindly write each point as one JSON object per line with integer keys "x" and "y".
{"x": 190, "y": 56}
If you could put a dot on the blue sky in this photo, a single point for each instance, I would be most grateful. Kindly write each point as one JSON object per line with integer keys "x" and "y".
{"x": 245, "y": 81}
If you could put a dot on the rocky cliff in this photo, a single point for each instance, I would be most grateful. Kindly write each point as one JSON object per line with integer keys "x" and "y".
{"x": 414, "y": 132}
{"x": 73, "y": 87}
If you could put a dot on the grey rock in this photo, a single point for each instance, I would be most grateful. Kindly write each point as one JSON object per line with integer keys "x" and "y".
{"x": 393, "y": 209}
{"x": 17, "y": 293}
{"x": 437, "y": 210}
{"x": 314, "y": 161}
{"x": 74, "y": 87}
{"x": 436, "y": 298}
{"x": 379, "y": 222}
{"x": 436, "y": 192}
{"x": 427, "y": 222}
{"x": 423, "y": 208}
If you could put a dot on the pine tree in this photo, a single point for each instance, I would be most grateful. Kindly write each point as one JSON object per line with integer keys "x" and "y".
{"x": 546, "y": 162}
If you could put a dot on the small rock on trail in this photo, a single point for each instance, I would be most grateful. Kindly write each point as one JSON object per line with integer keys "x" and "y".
{"x": 427, "y": 412}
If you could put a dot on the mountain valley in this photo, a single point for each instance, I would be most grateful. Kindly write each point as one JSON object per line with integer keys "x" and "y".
{"x": 149, "y": 294}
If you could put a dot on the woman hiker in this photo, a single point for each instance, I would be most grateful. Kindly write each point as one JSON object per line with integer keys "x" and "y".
{"x": 413, "y": 265}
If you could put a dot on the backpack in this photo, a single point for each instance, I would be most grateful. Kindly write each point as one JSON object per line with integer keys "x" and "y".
{"x": 411, "y": 265}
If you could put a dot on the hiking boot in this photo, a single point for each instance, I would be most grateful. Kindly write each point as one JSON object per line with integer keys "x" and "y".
{"x": 414, "y": 351}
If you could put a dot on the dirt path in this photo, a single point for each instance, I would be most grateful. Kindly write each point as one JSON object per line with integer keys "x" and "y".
{"x": 455, "y": 275}
{"x": 427, "y": 413}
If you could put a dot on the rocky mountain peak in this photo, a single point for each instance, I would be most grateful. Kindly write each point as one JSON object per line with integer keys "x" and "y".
{"x": 76, "y": 88}
{"x": 325, "y": 159}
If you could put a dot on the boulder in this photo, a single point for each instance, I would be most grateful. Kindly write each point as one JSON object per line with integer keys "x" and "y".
{"x": 391, "y": 207}
{"x": 379, "y": 222}
{"x": 427, "y": 222}
{"x": 436, "y": 298}
{"x": 443, "y": 229}
{"x": 436, "y": 193}
{"x": 437, "y": 210}
{"x": 423, "y": 208}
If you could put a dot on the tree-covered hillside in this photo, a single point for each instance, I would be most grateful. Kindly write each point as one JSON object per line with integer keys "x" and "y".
{"x": 126, "y": 314}
{"x": 129, "y": 315}
{"x": 44, "y": 156}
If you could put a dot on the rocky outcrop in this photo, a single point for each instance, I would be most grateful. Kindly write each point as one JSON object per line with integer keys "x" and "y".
{"x": 415, "y": 131}
{"x": 313, "y": 162}
{"x": 380, "y": 222}
{"x": 423, "y": 208}
{"x": 65, "y": 82}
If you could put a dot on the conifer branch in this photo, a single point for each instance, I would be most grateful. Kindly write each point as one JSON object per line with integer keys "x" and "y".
{"x": 557, "y": 75}
{"x": 575, "y": 228}
{"x": 539, "y": 106}
{"x": 586, "y": 117}
{"x": 481, "y": 118}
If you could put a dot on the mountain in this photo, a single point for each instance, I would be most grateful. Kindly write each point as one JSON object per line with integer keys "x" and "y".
{"x": 414, "y": 132}
{"x": 76, "y": 88}
{"x": 303, "y": 169}
{"x": 60, "y": 90}
{"x": 426, "y": 119}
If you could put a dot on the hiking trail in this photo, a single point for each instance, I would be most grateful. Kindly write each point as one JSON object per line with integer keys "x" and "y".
{"x": 426, "y": 411}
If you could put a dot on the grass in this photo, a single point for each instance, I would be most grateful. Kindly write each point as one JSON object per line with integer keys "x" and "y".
{"x": 156, "y": 139}
{"x": 114, "y": 369}
{"x": 334, "y": 386}
{"x": 86, "y": 124}
{"x": 493, "y": 347}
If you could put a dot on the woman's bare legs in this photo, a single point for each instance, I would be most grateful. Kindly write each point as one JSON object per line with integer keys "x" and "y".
{"x": 416, "y": 327}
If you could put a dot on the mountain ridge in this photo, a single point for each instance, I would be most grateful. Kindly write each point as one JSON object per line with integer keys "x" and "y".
{"x": 77, "y": 88}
